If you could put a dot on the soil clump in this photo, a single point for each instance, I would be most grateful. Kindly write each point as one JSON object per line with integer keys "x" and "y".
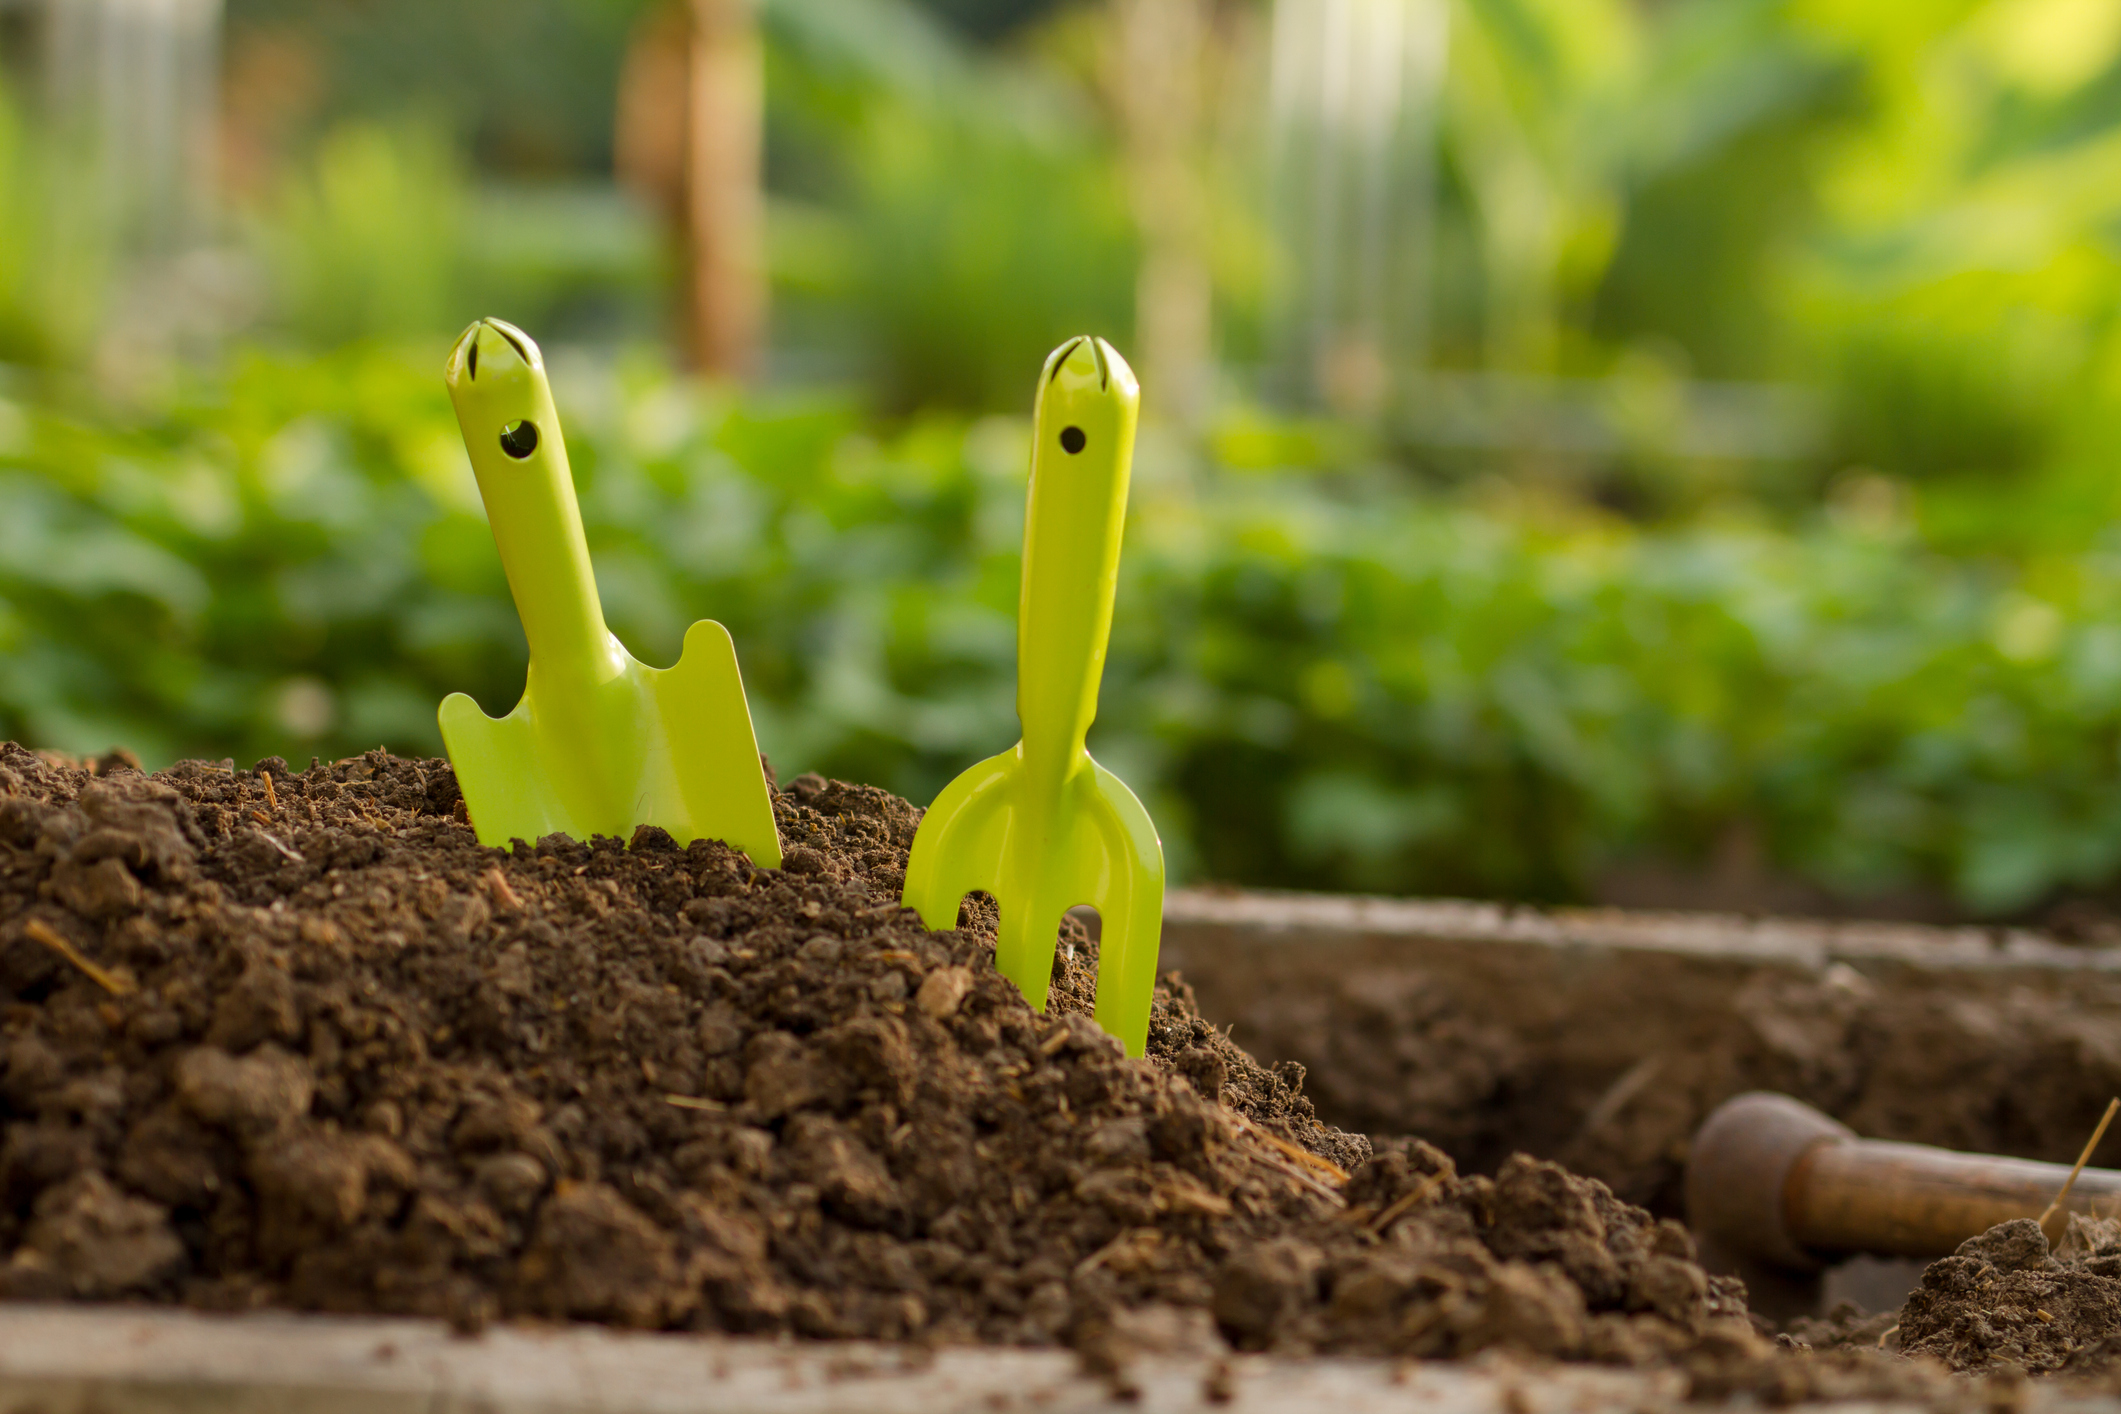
{"x": 2004, "y": 1300}
{"x": 287, "y": 1038}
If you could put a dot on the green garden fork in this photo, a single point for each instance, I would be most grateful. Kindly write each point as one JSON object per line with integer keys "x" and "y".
{"x": 1043, "y": 827}
{"x": 600, "y": 743}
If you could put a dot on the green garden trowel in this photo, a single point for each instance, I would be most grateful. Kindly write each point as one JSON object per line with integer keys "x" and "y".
{"x": 600, "y": 743}
{"x": 1043, "y": 827}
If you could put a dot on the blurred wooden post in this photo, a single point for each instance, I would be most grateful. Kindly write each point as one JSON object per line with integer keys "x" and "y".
{"x": 724, "y": 213}
{"x": 1163, "y": 46}
{"x": 689, "y": 134}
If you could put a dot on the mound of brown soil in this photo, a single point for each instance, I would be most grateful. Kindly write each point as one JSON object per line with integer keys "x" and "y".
{"x": 278, "y": 1037}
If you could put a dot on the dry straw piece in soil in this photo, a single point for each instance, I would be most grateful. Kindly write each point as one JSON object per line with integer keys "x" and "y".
{"x": 295, "y": 1038}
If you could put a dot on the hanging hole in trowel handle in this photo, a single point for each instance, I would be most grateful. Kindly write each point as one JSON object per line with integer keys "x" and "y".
{"x": 519, "y": 439}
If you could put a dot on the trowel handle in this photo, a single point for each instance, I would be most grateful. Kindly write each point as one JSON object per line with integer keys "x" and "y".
{"x": 1081, "y": 460}
{"x": 496, "y": 379}
{"x": 1775, "y": 1180}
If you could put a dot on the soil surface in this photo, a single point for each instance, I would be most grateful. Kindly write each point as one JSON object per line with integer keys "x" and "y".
{"x": 2003, "y": 1307}
{"x": 1482, "y": 1069}
{"x": 295, "y": 1038}
{"x": 2005, "y": 1300}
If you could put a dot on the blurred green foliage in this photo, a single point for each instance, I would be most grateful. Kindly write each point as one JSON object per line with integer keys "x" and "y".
{"x": 941, "y": 220}
{"x": 938, "y": 216}
{"x": 56, "y": 258}
{"x": 1345, "y": 657}
{"x": 382, "y": 234}
{"x": 526, "y": 86}
{"x": 1911, "y": 209}
{"x": 1316, "y": 678}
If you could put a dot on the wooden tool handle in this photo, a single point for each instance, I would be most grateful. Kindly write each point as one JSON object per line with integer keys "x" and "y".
{"x": 1776, "y": 1181}
{"x": 1910, "y": 1200}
